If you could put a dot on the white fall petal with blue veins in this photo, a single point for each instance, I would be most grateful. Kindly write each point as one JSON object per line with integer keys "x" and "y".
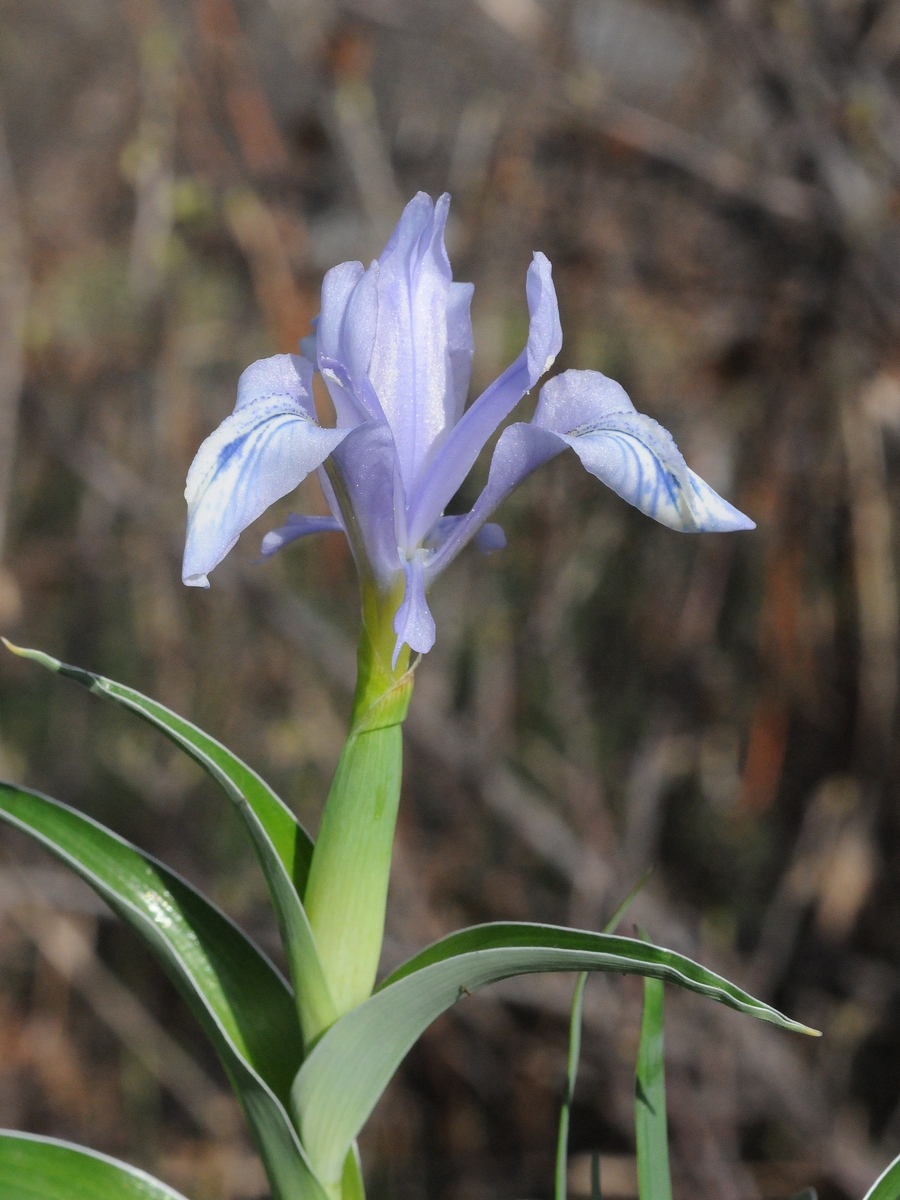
{"x": 268, "y": 445}
{"x": 632, "y": 454}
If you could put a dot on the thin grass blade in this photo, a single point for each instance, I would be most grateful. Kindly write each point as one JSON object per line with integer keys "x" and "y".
{"x": 562, "y": 1141}
{"x": 651, "y": 1127}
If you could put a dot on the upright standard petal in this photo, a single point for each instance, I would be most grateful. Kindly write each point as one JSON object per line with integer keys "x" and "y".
{"x": 631, "y": 453}
{"x": 341, "y": 365}
{"x": 411, "y": 370}
{"x": 257, "y": 455}
{"x": 456, "y": 456}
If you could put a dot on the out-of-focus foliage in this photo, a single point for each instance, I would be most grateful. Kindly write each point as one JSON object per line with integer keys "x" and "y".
{"x": 716, "y": 185}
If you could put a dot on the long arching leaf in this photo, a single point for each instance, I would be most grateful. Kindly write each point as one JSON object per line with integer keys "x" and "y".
{"x": 283, "y": 847}
{"x": 340, "y": 1082}
{"x": 243, "y": 1004}
{"x": 887, "y": 1185}
{"x": 42, "y": 1168}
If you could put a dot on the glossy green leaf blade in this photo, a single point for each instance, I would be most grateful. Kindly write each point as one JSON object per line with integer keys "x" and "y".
{"x": 292, "y": 843}
{"x": 243, "y": 1004}
{"x": 887, "y": 1185}
{"x": 41, "y": 1168}
{"x": 650, "y": 1124}
{"x": 342, "y": 1079}
{"x": 283, "y": 847}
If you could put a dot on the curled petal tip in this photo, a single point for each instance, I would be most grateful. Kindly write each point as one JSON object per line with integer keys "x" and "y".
{"x": 711, "y": 513}
{"x": 490, "y": 538}
{"x": 545, "y": 330}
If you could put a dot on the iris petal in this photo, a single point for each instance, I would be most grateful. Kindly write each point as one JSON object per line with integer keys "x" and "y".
{"x": 258, "y": 454}
{"x": 296, "y": 527}
{"x": 367, "y": 468}
{"x": 413, "y": 623}
{"x": 632, "y": 454}
{"x": 488, "y": 539}
{"x": 338, "y": 288}
{"x": 460, "y": 344}
{"x": 412, "y": 369}
{"x": 520, "y": 449}
{"x": 456, "y": 456}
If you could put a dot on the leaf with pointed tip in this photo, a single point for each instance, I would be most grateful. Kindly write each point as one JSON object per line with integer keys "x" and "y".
{"x": 887, "y": 1185}
{"x": 243, "y": 1004}
{"x": 42, "y": 1168}
{"x": 283, "y": 847}
{"x": 340, "y": 1082}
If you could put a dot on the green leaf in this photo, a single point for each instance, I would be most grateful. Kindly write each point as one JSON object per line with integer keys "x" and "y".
{"x": 887, "y": 1185}
{"x": 42, "y": 1168}
{"x": 243, "y": 1004}
{"x": 352, "y": 1185}
{"x": 283, "y": 847}
{"x": 651, "y": 1128}
{"x": 340, "y": 1082}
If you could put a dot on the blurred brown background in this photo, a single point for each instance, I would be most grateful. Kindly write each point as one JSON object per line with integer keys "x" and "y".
{"x": 716, "y": 184}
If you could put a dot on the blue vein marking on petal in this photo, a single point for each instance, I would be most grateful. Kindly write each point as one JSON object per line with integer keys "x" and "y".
{"x": 230, "y": 450}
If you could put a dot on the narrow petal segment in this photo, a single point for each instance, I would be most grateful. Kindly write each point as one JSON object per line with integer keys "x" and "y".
{"x": 488, "y": 539}
{"x": 520, "y": 450}
{"x": 458, "y": 453}
{"x": 296, "y": 527}
{"x": 257, "y": 455}
{"x": 414, "y": 624}
{"x": 632, "y": 454}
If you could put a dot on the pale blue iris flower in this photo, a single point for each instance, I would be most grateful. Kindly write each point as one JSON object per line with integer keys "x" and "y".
{"x": 394, "y": 345}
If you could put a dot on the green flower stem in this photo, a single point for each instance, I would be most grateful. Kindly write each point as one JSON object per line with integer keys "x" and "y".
{"x": 348, "y": 877}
